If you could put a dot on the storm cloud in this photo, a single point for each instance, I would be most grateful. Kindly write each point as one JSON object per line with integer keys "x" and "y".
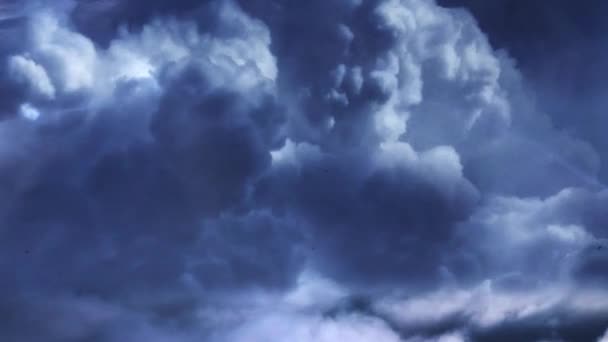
{"x": 275, "y": 170}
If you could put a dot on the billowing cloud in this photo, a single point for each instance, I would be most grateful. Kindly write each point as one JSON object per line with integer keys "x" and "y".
{"x": 272, "y": 170}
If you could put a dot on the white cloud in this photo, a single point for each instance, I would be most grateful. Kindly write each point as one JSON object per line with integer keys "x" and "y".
{"x": 26, "y": 70}
{"x": 303, "y": 328}
{"x": 69, "y": 57}
{"x": 242, "y": 61}
{"x": 29, "y": 112}
{"x": 532, "y": 236}
{"x": 604, "y": 338}
{"x": 443, "y": 59}
{"x": 61, "y": 62}
{"x": 486, "y": 306}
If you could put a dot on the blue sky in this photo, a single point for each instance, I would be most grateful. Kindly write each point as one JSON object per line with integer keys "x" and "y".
{"x": 323, "y": 170}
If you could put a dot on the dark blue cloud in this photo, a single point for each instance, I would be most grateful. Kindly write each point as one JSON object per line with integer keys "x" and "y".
{"x": 229, "y": 171}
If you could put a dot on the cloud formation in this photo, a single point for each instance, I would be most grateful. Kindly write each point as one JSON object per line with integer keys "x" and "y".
{"x": 275, "y": 170}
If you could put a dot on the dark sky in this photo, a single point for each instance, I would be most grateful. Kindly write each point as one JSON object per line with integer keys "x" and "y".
{"x": 323, "y": 170}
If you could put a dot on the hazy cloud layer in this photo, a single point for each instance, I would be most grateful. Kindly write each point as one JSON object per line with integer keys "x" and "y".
{"x": 286, "y": 171}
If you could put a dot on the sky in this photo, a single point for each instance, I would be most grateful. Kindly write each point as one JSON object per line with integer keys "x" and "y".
{"x": 303, "y": 171}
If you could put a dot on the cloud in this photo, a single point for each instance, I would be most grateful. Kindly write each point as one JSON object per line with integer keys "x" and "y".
{"x": 108, "y": 198}
{"x": 228, "y": 171}
{"x": 602, "y": 339}
{"x": 304, "y": 329}
{"x": 27, "y": 71}
{"x": 487, "y": 313}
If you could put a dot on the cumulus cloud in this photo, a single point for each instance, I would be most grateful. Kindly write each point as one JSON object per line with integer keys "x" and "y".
{"x": 603, "y": 338}
{"x": 27, "y": 71}
{"x": 272, "y": 170}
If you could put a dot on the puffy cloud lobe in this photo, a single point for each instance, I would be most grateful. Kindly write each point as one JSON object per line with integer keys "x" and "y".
{"x": 556, "y": 239}
{"x": 400, "y": 203}
{"x": 567, "y": 85}
{"x": 396, "y": 212}
{"x": 179, "y": 175}
{"x": 29, "y": 72}
{"x": 381, "y": 60}
{"x": 110, "y": 198}
{"x": 69, "y": 57}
